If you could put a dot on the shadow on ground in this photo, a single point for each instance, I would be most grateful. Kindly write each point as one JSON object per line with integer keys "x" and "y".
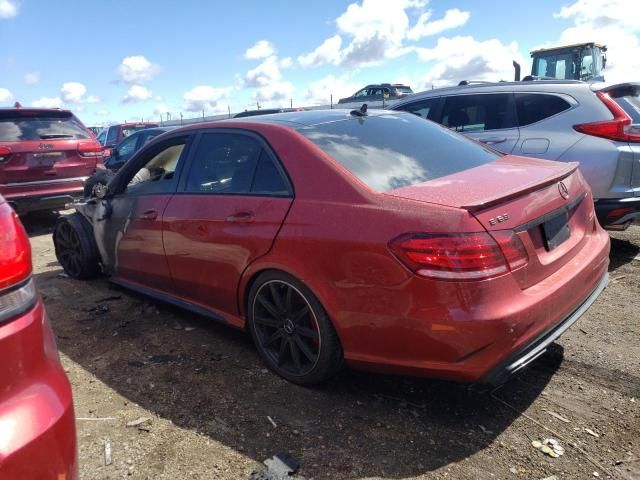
{"x": 208, "y": 378}
{"x": 623, "y": 251}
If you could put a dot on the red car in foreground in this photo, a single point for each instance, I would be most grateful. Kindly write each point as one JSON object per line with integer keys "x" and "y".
{"x": 45, "y": 157}
{"x": 37, "y": 423}
{"x": 383, "y": 240}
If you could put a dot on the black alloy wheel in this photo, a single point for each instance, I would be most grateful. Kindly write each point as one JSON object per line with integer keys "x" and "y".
{"x": 292, "y": 331}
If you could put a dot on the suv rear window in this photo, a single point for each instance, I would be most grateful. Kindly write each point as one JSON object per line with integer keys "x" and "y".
{"x": 629, "y": 100}
{"x": 40, "y": 126}
{"x": 533, "y": 107}
{"x": 129, "y": 129}
{"x": 394, "y": 150}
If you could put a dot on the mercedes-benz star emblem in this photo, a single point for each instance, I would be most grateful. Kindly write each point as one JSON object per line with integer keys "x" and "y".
{"x": 564, "y": 191}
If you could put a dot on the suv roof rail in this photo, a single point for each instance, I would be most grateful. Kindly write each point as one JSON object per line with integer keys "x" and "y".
{"x": 472, "y": 82}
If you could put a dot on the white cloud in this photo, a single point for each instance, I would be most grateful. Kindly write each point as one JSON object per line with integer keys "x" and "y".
{"x": 615, "y": 23}
{"x": 377, "y": 32}
{"x": 160, "y": 109}
{"x": 136, "y": 94}
{"x": 320, "y": 91}
{"x": 47, "y": 102}
{"x": 102, "y": 113}
{"x": 327, "y": 52}
{"x": 452, "y": 19}
{"x": 268, "y": 82}
{"x": 137, "y": 69}
{"x": 8, "y": 8}
{"x": 261, "y": 49}
{"x": 32, "y": 78}
{"x": 465, "y": 58}
{"x": 73, "y": 92}
{"x": 5, "y": 95}
{"x": 205, "y": 97}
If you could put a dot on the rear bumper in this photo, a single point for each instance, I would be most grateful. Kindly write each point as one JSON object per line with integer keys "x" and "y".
{"x": 538, "y": 346}
{"x": 42, "y": 195}
{"x": 618, "y": 213}
{"x": 37, "y": 421}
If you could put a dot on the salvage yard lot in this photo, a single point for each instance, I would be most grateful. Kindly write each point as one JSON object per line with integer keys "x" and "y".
{"x": 215, "y": 412}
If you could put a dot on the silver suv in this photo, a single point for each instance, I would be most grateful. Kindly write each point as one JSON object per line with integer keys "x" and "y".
{"x": 596, "y": 125}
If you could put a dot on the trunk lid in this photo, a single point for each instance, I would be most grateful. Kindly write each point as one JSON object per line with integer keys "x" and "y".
{"x": 547, "y": 204}
{"x": 34, "y": 161}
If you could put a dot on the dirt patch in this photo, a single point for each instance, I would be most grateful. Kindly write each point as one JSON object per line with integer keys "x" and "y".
{"x": 201, "y": 405}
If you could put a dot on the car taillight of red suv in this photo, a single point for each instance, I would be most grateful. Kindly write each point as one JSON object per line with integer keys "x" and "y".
{"x": 45, "y": 157}
{"x": 37, "y": 423}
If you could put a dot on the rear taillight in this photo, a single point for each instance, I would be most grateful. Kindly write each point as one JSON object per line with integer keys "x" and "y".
{"x": 465, "y": 256}
{"x": 4, "y": 154}
{"x": 17, "y": 292}
{"x": 90, "y": 149}
{"x": 615, "y": 129}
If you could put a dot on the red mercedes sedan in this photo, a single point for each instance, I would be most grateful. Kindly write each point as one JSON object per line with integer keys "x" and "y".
{"x": 37, "y": 423}
{"x": 381, "y": 240}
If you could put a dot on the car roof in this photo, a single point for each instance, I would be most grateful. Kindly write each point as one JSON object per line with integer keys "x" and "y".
{"x": 295, "y": 120}
{"x": 480, "y": 87}
{"x": 5, "y": 111}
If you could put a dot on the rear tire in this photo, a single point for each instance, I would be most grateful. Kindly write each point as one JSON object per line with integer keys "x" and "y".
{"x": 291, "y": 330}
{"x": 75, "y": 247}
{"x": 99, "y": 179}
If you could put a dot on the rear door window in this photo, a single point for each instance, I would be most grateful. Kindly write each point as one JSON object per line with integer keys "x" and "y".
{"x": 533, "y": 107}
{"x": 40, "y": 126}
{"x": 396, "y": 149}
{"x": 478, "y": 113}
{"x": 232, "y": 164}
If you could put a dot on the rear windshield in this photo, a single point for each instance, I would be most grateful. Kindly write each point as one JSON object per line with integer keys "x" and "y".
{"x": 41, "y": 127}
{"x": 630, "y": 103}
{"x": 395, "y": 150}
{"x": 404, "y": 89}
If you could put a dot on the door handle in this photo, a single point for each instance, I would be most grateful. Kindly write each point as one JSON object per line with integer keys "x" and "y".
{"x": 493, "y": 140}
{"x": 149, "y": 215}
{"x": 242, "y": 217}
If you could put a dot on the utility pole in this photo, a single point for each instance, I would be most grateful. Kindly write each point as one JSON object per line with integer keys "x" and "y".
{"x": 203, "y": 114}
{"x": 180, "y": 118}
{"x": 332, "y": 101}
{"x": 291, "y": 103}
{"x": 229, "y": 110}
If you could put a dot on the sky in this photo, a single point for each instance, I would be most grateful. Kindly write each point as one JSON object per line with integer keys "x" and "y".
{"x": 130, "y": 60}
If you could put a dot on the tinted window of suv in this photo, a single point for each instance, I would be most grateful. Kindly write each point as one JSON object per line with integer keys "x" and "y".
{"x": 112, "y": 136}
{"x": 41, "y": 126}
{"x": 630, "y": 103}
{"x": 476, "y": 113}
{"x": 396, "y": 149}
{"x": 533, "y": 107}
{"x": 422, "y": 108}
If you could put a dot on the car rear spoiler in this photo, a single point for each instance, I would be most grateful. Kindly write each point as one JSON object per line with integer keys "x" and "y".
{"x": 618, "y": 88}
{"x": 483, "y": 203}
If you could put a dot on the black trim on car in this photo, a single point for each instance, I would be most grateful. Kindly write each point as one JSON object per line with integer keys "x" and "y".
{"x": 553, "y": 213}
{"x": 170, "y": 299}
{"x": 534, "y": 349}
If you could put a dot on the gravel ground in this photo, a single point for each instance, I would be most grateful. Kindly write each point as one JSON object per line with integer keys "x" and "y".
{"x": 214, "y": 412}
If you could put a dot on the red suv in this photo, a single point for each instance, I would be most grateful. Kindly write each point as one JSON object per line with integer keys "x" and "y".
{"x": 37, "y": 423}
{"x": 45, "y": 157}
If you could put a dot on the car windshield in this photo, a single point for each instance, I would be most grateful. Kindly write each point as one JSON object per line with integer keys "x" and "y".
{"x": 395, "y": 150}
{"x": 41, "y": 127}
